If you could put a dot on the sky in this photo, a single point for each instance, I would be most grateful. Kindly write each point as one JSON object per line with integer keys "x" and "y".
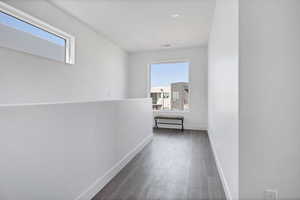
{"x": 166, "y": 73}
{"x": 28, "y": 28}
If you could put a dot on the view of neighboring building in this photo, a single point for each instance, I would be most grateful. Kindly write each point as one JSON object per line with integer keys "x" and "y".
{"x": 161, "y": 98}
{"x": 174, "y": 97}
{"x": 179, "y": 96}
{"x": 170, "y": 86}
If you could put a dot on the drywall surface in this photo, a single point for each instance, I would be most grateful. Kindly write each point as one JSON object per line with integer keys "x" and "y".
{"x": 99, "y": 72}
{"x": 269, "y": 98}
{"x": 223, "y": 92}
{"x": 69, "y": 150}
{"x": 139, "y": 83}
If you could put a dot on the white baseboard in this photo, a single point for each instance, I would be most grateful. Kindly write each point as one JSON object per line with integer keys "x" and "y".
{"x": 220, "y": 170}
{"x": 92, "y": 190}
{"x": 197, "y": 126}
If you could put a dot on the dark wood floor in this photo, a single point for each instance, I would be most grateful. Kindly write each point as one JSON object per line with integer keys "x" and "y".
{"x": 175, "y": 166}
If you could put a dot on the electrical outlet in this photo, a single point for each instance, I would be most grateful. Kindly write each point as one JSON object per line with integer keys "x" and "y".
{"x": 270, "y": 195}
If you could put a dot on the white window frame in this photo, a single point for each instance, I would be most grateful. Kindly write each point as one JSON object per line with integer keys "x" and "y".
{"x": 70, "y": 40}
{"x": 169, "y": 61}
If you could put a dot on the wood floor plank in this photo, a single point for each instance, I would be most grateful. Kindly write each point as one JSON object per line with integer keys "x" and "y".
{"x": 175, "y": 166}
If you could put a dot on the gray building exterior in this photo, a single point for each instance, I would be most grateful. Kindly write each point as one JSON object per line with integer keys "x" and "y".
{"x": 180, "y": 96}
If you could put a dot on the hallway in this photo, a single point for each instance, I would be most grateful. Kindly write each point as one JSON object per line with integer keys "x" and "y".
{"x": 174, "y": 166}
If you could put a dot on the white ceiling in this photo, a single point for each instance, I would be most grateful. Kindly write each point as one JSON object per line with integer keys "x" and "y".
{"x": 140, "y": 25}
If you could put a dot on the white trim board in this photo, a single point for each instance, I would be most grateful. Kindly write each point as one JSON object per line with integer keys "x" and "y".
{"x": 97, "y": 186}
{"x": 220, "y": 170}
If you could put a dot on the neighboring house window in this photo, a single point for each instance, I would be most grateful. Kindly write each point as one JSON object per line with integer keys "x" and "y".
{"x": 170, "y": 89}
{"x": 175, "y": 95}
{"x": 22, "y": 32}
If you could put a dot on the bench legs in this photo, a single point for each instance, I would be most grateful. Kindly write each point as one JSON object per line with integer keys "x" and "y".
{"x": 182, "y": 126}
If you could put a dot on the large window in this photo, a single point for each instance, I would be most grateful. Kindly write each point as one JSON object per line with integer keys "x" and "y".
{"x": 22, "y": 32}
{"x": 170, "y": 86}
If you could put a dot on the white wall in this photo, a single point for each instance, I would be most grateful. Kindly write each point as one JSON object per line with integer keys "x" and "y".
{"x": 68, "y": 151}
{"x": 138, "y": 77}
{"x": 99, "y": 73}
{"x": 223, "y": 93}
{"x": 269, "y": 98}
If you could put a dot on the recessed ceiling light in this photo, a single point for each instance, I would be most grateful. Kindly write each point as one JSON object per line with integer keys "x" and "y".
{"x": 175, "y": 15}
{"x": 166, "y": 45}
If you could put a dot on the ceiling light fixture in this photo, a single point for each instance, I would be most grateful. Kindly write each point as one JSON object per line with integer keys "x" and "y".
{"x": 175, "y": 15}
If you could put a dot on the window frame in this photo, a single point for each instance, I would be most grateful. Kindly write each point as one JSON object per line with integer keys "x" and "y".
{"x": 169, "y": 61}
{"x": 70, "y": 40}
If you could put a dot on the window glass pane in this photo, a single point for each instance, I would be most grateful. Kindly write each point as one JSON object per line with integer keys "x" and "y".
{"x": 170, "y": 86}
{"x": 21, "y": 36}
{"x": 20, "y": 25}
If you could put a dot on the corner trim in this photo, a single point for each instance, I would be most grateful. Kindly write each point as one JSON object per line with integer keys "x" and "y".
{"x": 220, "y": 170}
{"x": 99, "y": 184}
